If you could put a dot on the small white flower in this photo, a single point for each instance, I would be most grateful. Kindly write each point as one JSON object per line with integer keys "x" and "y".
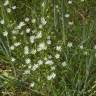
{"x": 33, "y": 51}
{"x": 82, "y": 0}
{"x": 5, "y": 33}
{"x": 21, "y": 24}
{"x": 50, "y": 57}
{"x": 13, "y": 7}
{"x": 57, "y": 6}
{"x": 28, "y": 30}
{"x": 49, "y": 62}
{"x": 95, "y": 47}
{"x": 14, "y": 32}
{"x": 69, "y": 2}
{"x": 53, "y": 68}
{"x": 27, "y": 61}
{"x": 42, "y": 46}
{"x": 48, "y": 42}
{"x": 67, "y": 15}
{"x": 33, "y": 21}
{"x": 40, "y": 62}
{"x": 35, "y": 67}
{"x": 43, "y": 4}
{"x": 70, "y": 22}
{"x": 40, "y": 26}
{"x": 2, "y": 21}
{"x": 43, "y": 21}
{"x": 8, "y": 10}
{"x": 39, "y": 35}
{"x": 27, "y": 19}
{"x": 29, "y": 66}
{"x": 6, "y": 3}
{"x": 81, "y": 47}
{"x": 32, "y": 39}
{"x": 69, "y": 44}
{"x": 45, "y": 58}
{"x": 17, "y": 44}
{"x": 64, "y": 64}
{"x": 52, "y": 76}
{"x": 14, "y": 37}
{"x": 12, "y": 47}
{"x": 32, "y": 84}
{"x": 57, "y": 56}
{"x": 58, "y": 48}
{"x": 27, "y": 71}
{"x": 26, "y": 50}
{"x": 13, "y": 59}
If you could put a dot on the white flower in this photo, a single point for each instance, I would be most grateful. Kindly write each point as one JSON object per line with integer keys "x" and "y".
{"x": 26, "y": 19}
{"x": 17, "y": 44}
{"x": 14, "y": 31}
{"x": 26, "y": 50}
{"x": 14, "y": 37}
{"x": 33, "y": 20}
{"x": 53, "y": 68}
{"x": 43, "y": 4}
{"x": 12, "y": 47}
{"x": 50, "y": 57}
{"x": 8, "y": 10}
{"x": 49, "y": 62}
{"x": 81, "y": 47}
{"x": 67, "y": 15}
{"x": 95, "y": 47}
{"x": 29, "y": 66}
{"x": 70, "y": 22}
{"x": 32, "y": 84}
{"x": 42, "y": 46}
{"x": 5, "y": 33}
{"x": 52, "y": 76}
{"x": 40, "y": 26}
{"x": 27, "y": 71}
{"x": 39, "y": 35}
{"x": 43, "y": 21}
{"x": 35, "y": 66}
{"x": 2, "y": 21}
{"x": 32, "y": 39}
{"x": 28, "y": 30}
{"x": 48, "y": 42}
{"x": 6, "y": 3}
{"x": 45, "y": 58}
{"x": 33, "y": 51}
{"x": 69, "y": 44}
{"x": 57, "y": 6}
{"x": 21, "y": 24}
{"x": 82, "y": 0}
{"x": 40, "y": 62}
{"x": 13, "y": 7}
{"x": 69, "y": 2}
{"x": 13, "y": 59}
{"x": 57, "y": 56}
{"x": 58, "y": 48}
{"x": 27, "y": 61}
{"x": 64, "y": 64}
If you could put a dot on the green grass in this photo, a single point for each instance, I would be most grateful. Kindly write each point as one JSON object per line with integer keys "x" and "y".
{"x": 63, "y": 62}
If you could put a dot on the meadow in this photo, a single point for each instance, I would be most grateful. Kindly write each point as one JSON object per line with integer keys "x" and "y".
{"x": 47, "y": 47}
